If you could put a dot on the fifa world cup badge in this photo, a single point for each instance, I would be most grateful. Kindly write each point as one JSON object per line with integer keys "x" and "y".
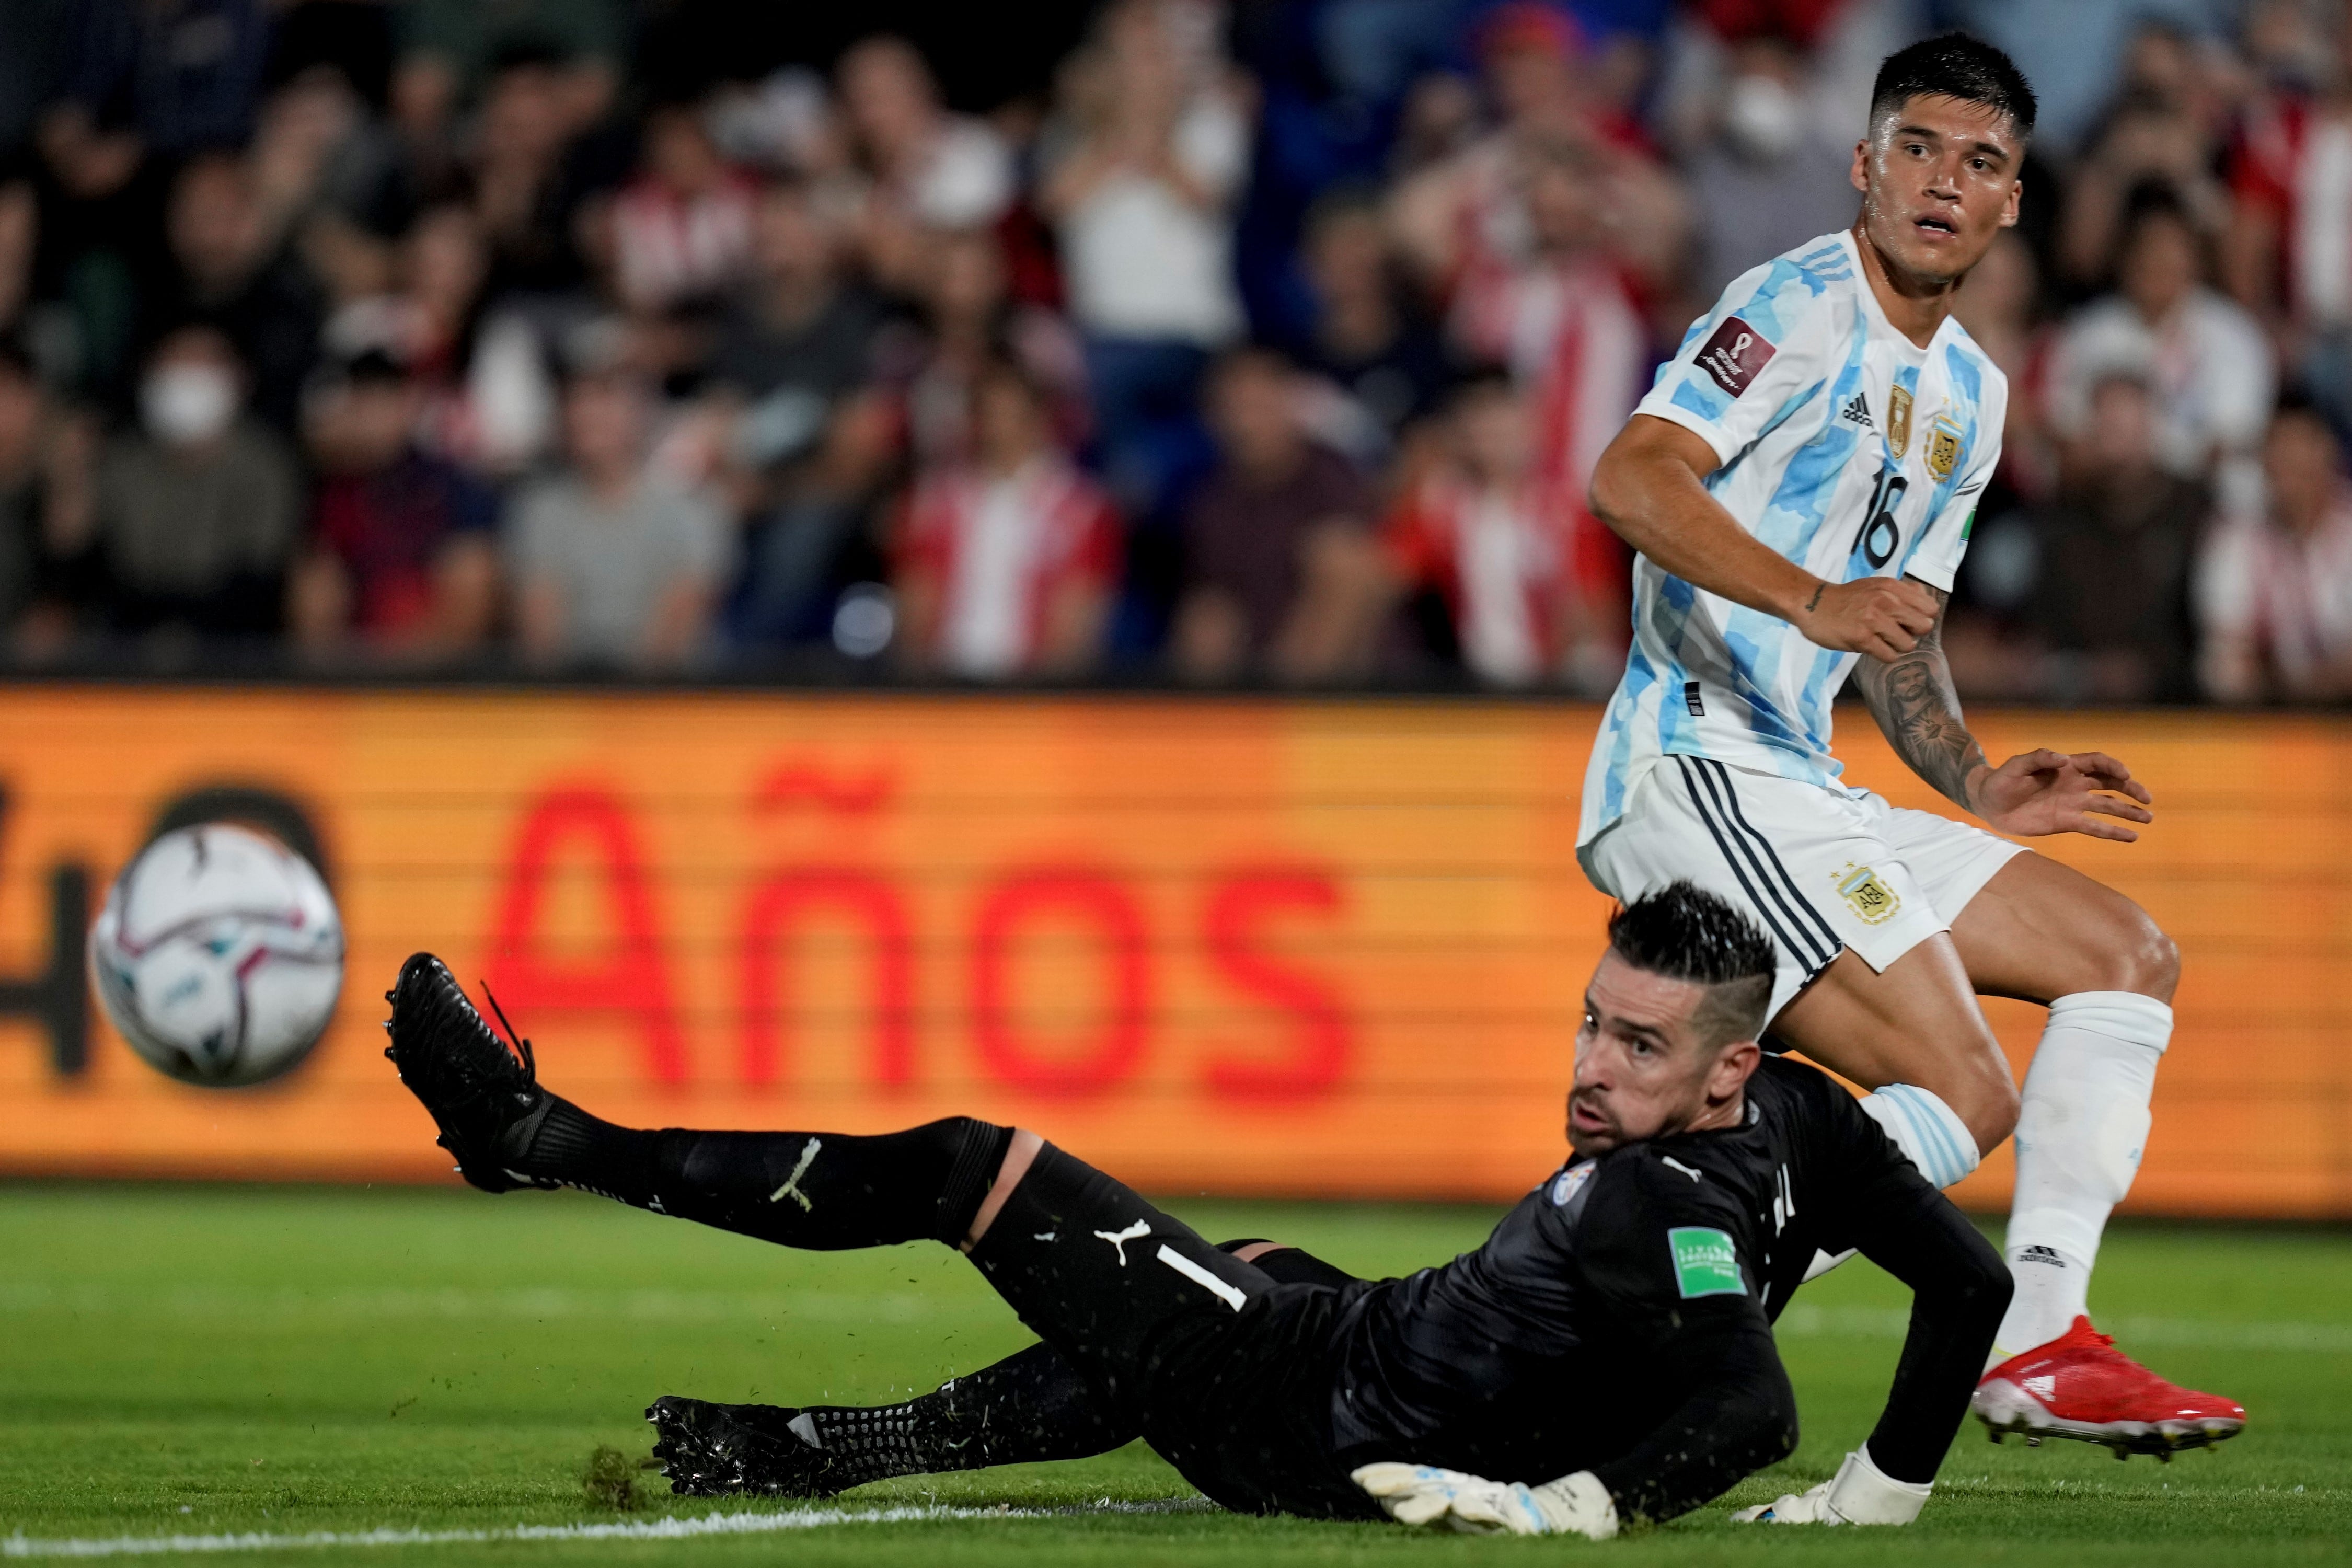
{"x": 1943, "y": 447}
{"x": 1899, "y": 420}
{"x": 1872, "y": 900}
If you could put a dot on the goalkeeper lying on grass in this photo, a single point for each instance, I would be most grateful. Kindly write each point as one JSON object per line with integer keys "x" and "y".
{"x": 1606, "y": 1356}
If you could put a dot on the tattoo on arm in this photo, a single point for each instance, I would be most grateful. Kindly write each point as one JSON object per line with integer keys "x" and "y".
{"x": 1918, "y": 708}
{"x": 1815, "y": 601}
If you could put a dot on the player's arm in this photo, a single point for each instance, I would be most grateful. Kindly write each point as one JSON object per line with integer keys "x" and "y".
{"x": 1650, "y": 489}
{"x": 1669, "y": 1293}
{"x": 1960, "y": 1289}
{"x": 1737, "y": 1414}
{"x": 1919, "y": 710}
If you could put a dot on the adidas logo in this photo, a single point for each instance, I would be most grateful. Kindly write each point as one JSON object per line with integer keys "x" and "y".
{"x": 2042, "y": 1388}
{"x": 2042, "y": 1254}
{"x": 1857, "y": 412}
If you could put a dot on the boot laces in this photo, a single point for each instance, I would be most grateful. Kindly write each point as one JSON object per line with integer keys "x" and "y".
{"x": 520, "y": 1045}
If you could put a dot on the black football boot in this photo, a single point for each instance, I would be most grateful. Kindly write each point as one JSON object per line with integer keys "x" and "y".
{"x": 486, "y": 1102}
{"x": 719, "y": 1451}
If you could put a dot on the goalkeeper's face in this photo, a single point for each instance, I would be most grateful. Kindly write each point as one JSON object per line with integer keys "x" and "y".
{"x": 1651, "y": 1059}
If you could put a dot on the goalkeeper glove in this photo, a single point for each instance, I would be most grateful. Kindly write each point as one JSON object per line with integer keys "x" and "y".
{"x": 1860, "y": 1493}
{"x": 1448, "y": 1499}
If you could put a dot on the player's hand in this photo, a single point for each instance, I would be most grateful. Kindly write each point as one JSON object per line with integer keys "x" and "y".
{"x": 1449, "y": 1499}
{"x": 2039, "y": 793}
{"x": 1882, "y": 616}
{"x": 1860, "y": 1493}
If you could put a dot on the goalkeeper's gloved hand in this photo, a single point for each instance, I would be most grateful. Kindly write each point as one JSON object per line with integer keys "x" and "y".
{"x": 1860, "y": 1493}
{"x": 1448, "y": 1499}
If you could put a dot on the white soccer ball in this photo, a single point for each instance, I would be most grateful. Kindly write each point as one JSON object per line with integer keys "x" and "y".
{"x": 219, "y": 955}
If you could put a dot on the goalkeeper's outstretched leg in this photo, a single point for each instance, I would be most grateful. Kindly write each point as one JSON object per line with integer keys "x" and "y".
{"x": 1138, "y": 1306}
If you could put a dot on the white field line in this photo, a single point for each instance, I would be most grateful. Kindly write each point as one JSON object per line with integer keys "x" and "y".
{"x": 1888, "y": 1323}
{"x": 641, "y": 1530}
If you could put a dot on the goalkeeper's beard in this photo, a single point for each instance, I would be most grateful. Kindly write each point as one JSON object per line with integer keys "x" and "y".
{"x": 1600, "y": 1132}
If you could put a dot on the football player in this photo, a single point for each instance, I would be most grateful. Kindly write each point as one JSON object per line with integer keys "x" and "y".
{"x": 1607, "y": 1355}
{"x": 1799, "y": 484}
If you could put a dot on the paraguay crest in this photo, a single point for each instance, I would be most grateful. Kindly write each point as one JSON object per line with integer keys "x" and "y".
{"x": 1871, "y": 900}
{"x": 1899, "y": 420}
{"x": 1944, "y": 446}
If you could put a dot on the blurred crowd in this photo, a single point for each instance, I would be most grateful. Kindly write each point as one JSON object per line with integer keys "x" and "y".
{"x": 1258, "y": 343}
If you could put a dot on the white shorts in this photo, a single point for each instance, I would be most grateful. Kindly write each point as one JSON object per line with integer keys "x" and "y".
{"x": 1817, "y": 869}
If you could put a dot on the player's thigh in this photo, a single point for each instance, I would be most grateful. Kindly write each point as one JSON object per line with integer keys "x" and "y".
{"x": 1917, "y": 1022}
{"x": 2039, "y": 931}
{"x": 1103, "y": 1277}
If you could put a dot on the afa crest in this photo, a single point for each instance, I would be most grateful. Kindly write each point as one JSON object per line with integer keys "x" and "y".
{"x": 1944, "y": 446}
{"x": 1872, "y": 900}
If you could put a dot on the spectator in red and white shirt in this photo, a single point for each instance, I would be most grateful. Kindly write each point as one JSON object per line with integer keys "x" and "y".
{"x": 682, "y": 229}
{"x": 1564, "y": 323}
{"x": 1536, "y": 588}
{"x": 1006, "y": 564}
{"x": 2289, "y": 244}
{"x": 2274, "y": 587}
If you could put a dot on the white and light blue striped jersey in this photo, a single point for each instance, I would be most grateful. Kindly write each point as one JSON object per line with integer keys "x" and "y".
{"x": 1845, "y": 447}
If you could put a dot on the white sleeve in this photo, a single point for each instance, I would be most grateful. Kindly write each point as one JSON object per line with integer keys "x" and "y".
{"x": 1770, "y": 338}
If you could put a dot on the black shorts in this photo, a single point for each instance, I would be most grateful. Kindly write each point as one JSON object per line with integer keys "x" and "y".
{"x": 1227, "y": 1373}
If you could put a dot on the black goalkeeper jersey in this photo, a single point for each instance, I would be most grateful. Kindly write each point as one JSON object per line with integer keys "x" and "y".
{"x": 1618, "y": 1320}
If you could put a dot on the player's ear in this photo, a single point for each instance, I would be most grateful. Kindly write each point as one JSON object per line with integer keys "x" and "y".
{"x": 2008, "y": 208}
{"x": 1859, "y": 176}
{"x": 1734, "y": 1065}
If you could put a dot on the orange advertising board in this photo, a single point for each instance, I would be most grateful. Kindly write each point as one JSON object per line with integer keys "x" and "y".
{"x": 1245, "y": 946}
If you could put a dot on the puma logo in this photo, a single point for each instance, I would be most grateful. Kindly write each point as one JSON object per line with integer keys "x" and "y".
{"x": 792, "y": 1187}
{"x": 1119, "y": 1238}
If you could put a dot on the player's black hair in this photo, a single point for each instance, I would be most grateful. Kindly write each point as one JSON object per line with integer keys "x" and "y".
{"x": 1955, "y": 65}
{"x": 1684, "y": 933}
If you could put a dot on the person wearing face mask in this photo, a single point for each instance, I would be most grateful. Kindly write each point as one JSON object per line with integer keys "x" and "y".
{"x": 1767, "y": 178}
{"x": 197, "y": 508}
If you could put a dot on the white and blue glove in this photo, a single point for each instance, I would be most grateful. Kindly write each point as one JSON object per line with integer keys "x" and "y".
{"x": 1860, "y": 1493}
{"x": 1448, "y": 1499}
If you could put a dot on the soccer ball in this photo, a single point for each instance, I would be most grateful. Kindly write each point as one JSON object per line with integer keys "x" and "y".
{"x": 218, "y": 955}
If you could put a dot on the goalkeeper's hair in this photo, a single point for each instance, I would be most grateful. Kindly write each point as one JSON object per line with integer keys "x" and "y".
{"x": 1684, "y": 933}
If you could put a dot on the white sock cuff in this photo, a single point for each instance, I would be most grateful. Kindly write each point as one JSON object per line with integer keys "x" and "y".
{"x": 1926, "y": 1130}
{"x": 2125, "y": 1015}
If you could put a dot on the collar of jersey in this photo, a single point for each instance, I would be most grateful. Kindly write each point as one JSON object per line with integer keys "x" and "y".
{"x": 1913, "y": 354}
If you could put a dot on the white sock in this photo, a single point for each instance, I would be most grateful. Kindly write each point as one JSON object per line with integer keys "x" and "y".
{"x": 2080, "y": 1129}
{"x": 1926, "y": 1129}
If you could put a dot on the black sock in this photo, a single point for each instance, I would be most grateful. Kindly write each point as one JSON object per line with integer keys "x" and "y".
{"x": 822, "y": 1191}
{"x": 1031, "y": 1406}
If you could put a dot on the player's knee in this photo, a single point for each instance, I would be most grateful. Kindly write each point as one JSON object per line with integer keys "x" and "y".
{"x": 969, "y": 1152}
{"x": 2123, "y": 949}
{"x": 2147, "y": 960}
{"x": 1987, "y": 1105}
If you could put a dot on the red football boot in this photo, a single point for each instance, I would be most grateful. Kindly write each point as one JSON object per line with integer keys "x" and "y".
{"x": 2079, "y": 1385}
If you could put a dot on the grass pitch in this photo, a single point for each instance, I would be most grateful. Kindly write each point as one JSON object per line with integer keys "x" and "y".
{"x": 207, "y": 1362}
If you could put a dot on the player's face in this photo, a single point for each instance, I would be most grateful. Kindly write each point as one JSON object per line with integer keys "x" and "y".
{"x": 1938, "y": 180}
{"x": 1645, "y": 1065}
